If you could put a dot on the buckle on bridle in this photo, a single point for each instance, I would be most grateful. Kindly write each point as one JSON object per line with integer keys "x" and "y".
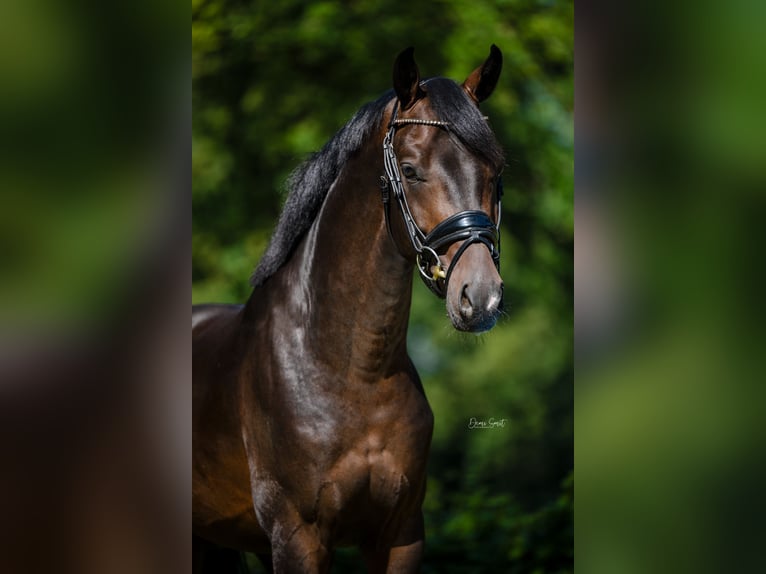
{"x": 432, "y": 270}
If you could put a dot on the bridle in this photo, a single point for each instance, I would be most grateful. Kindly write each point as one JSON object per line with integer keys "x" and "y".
{"x": 470, "y": 226}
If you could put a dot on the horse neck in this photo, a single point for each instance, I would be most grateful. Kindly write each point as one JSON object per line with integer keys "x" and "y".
{"x": 347, "y": 284}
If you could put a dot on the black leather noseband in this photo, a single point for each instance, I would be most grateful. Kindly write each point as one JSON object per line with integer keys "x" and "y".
{"x": 469, "y": 226}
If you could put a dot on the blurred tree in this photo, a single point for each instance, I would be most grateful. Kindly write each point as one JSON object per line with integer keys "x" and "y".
{"x": 271, "y": 83}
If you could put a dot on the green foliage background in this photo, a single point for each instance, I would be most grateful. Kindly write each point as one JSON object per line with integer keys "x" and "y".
{"x": 273, "y": 82}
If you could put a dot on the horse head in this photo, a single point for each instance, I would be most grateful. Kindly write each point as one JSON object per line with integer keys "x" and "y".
{"x": 443, "y": 168}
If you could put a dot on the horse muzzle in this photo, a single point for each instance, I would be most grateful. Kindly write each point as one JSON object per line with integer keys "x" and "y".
{"x": 475, "y": 291}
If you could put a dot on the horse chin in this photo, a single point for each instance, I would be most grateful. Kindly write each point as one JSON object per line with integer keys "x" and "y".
{"x": 477, "y": 324}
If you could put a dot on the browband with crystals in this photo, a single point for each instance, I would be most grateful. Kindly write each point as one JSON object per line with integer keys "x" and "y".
{"x": 401, "y": 121}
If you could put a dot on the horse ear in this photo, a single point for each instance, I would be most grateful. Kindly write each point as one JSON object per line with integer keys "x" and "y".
{"x": 407, "y": 79}
{"x": 482, "y": 81}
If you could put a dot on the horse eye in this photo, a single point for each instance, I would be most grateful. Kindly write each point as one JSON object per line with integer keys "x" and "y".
{"x": 409, "y": 172}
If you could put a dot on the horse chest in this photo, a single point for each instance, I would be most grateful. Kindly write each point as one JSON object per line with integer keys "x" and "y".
{"x": 348, "y": 450}
{"x": 360, "y": 459}
{"x": 366, "y": 486}
{"x": 381, "y": 471}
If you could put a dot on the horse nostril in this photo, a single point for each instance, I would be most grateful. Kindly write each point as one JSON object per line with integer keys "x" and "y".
{"x": 466, "y": 306}
{"x": 499, "y": 299}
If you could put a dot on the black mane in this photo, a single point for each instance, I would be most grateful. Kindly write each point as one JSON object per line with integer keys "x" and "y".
{"x": 308, "y": 186}
{"x": 309, "y": 183}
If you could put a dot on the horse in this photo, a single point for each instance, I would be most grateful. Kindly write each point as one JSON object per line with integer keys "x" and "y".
{"x": 311, "y": 427}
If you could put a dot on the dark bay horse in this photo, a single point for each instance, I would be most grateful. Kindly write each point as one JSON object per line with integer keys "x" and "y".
{"x": 311, "y": 426}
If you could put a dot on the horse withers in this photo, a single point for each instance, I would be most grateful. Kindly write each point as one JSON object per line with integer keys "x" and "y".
{"x": 311, "y": 426}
